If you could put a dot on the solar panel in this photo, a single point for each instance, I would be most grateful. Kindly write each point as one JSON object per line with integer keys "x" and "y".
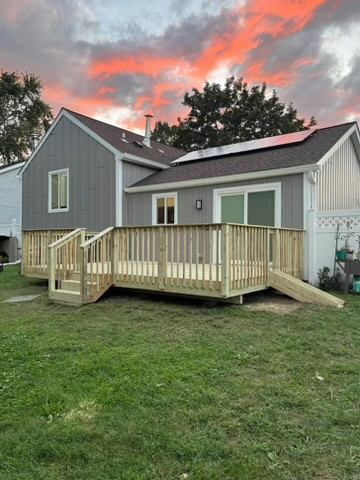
{"x": 248, "y": 146}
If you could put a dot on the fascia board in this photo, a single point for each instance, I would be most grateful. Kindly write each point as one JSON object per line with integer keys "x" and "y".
{"x": 333, "y": 149}
{"x": 11, "y": 167}
{"x": 66, "y": 114}
{"x": 143, "y": 161}
{"x": 202, "y": 182}
{"x": 41, "y": 143}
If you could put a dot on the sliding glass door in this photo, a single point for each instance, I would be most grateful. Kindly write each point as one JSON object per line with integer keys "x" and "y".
{"x": 252, "y": 208}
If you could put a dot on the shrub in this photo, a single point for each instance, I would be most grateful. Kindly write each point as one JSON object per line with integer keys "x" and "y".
{"x": 4, "y": 256}
{"x": 329, "y": 282}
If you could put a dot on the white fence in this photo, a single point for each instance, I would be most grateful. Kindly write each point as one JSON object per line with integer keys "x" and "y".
{"x": 324, "y": 229}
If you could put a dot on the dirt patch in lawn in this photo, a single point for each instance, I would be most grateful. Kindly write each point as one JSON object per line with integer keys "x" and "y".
{"x": 271, "y": 301}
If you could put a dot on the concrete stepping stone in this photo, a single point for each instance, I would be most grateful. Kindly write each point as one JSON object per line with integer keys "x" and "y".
{"x": 22, "y": 298}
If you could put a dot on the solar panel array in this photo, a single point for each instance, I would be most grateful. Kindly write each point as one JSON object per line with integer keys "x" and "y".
{"x": 249, "y": 146}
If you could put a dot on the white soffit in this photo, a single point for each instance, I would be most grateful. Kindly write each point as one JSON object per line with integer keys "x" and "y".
{"x": 249, "y": 146}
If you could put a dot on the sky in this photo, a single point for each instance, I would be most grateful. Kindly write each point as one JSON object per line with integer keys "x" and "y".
{"x": 117, "y": 60}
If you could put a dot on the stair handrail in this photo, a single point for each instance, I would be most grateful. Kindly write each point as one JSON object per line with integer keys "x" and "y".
{"x": 52, "y": 256}
{"x": 85, "y": 249}
{"x": 96, "y": 237}
{"x": 61, "y": 241}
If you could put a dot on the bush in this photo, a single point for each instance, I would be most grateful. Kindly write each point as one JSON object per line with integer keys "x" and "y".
{"x": 4, "y": 256}
{"x": 329, "y": 282}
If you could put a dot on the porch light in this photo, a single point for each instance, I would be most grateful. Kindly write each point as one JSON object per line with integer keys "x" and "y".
{"x": 198, "y": 204}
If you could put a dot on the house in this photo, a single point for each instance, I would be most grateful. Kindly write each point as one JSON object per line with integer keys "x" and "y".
{"x": 10, "y": 211}
{"x": 306, "y": 180}
{"x": 88, "y": 174}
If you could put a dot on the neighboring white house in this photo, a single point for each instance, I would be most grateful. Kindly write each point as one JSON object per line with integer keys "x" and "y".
{"x": 10, "y": 210}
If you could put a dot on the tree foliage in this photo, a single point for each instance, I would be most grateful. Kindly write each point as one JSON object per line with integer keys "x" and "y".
{"x": 23, "y": 114}
{"x": 233, "y": 113}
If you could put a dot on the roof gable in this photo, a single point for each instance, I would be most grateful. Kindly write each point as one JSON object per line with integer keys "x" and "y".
{"x": 111, "y": 138}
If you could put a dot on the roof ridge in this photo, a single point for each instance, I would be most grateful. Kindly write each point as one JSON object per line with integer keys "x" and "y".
{"x": 337, "y": 125}
{"x": 120, "y": 128}
{"x": 100, "y": 121}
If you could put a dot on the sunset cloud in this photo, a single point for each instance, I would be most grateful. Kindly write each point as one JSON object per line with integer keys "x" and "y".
{"x": 119, "y": 63}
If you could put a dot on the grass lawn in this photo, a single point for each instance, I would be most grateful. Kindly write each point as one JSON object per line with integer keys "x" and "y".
{"x": 138, "y": 388}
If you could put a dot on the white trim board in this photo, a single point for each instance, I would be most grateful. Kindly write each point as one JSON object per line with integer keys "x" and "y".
{"x": 201, "y": 182}
{"x": 118, "y": 191}
{"x": 10, "y": 167}
{"x": 50, "y": 174}
{"x": 261, "y": 187}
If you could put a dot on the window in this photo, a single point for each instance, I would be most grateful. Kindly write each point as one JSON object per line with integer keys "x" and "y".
{"x": 59, "y": 191}
{"x": 165, "y": 209}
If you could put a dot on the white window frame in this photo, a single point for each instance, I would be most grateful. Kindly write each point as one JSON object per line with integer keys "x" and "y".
{"x": 244, "y": 190}
{"x": 155, "y": 197}
{"x": 50, "y": 174}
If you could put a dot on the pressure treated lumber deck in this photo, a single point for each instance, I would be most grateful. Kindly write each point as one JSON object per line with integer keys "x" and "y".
{"x": 221, "y": 261}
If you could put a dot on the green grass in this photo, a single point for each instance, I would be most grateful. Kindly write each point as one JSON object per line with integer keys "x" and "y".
{"x": 147, "y": 388}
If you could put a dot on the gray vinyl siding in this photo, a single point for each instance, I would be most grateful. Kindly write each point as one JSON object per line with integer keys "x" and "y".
{"x": 91, "y": 181}
{"x": 139, "y": 205}
{"x": 132, "y": 173}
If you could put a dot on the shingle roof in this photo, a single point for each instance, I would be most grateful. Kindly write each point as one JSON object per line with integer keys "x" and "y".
{"x": 308, "y": 152}
{"x": 113, "y": 135}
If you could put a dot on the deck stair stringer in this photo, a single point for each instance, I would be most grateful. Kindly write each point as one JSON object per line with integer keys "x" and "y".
{"x": 301, "y": 291}
{"x": 70, "y": 292}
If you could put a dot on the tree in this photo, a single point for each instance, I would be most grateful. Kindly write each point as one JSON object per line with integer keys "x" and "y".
{"x": 234, "y": 113}
{"x": 23, "y": 114}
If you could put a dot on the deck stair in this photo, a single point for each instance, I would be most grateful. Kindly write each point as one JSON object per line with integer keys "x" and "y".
{"x": 80, "y": 271}
{"x": 301, "y": 291}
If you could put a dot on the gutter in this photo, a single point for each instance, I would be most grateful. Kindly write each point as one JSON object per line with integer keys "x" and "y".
{"x": 202, "y": 182}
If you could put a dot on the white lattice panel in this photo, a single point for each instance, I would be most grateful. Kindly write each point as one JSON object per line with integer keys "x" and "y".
{"x": 333, "y": 221}
{"x": 10, "y": 230}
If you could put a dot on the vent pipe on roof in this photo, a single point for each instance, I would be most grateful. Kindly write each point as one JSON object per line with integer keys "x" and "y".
{"x": 35, "y": 140}
{"x": 146, "y": 140}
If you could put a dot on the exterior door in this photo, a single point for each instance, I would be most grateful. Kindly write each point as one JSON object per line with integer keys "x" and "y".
{"x": 252, "y": 208}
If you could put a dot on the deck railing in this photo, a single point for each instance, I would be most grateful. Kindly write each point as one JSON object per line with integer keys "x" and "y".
{"x": 169, "y": 257}
{"x": 217, "y": 260}
{"x": 97, "y": 265}
{"x": 288, "y": 251}
{"x": 64, "y": 258}
{"x": 35, "y": 249}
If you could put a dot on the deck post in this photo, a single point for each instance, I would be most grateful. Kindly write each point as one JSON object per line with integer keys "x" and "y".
{"x": 24, "y": 252}
{"x": 276, "y": 249}
{"x": 51, "y": 268}
{"x": 83, "y": 273}
{"x": 162, "y": 260}
{"x": 225, "y": 260}
{"x": 115, "y": 253}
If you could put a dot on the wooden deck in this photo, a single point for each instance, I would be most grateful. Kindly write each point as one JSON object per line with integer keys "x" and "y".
{"x": 222, "y": 261}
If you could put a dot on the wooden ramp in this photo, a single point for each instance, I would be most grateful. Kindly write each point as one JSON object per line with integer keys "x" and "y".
{"x": 301, "y": 291}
